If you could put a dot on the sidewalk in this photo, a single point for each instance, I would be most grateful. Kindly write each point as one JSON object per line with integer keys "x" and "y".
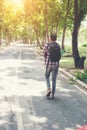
{"x": 82, "y": 84}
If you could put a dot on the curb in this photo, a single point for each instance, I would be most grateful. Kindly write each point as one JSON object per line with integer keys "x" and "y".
{"x": 71, "y": 76}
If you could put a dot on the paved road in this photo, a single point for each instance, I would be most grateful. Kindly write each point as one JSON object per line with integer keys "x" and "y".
{"x": 23, "y": 105}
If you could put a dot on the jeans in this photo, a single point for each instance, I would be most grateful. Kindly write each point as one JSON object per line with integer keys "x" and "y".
{"x": 54, "y": 72}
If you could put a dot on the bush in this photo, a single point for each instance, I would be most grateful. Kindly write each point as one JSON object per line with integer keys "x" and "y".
{"x": 84, "y": 45}
{"x": 81, "y": 76}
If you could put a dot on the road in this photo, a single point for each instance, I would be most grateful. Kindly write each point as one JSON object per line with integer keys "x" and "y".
{"x": 23, "y": 105}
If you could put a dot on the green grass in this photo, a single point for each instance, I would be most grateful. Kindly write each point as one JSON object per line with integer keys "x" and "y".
{"x": 67, "y": 60}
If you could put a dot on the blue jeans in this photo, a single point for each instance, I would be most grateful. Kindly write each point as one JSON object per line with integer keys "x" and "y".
{"x": 54, "y": 72}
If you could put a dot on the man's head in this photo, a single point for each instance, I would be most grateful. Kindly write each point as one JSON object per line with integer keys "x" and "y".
{"x": 53, "y": 36}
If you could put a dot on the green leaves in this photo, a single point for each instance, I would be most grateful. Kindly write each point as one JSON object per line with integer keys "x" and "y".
{"x": 42, "y": 16}
{"x": 81, "y": 75}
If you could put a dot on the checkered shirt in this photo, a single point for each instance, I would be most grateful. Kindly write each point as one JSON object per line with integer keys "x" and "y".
{"x": 46, "y": 57}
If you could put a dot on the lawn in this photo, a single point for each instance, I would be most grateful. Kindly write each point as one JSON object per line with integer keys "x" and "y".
{"x": 67, "y": 59}
{"x": 67, "y": 62}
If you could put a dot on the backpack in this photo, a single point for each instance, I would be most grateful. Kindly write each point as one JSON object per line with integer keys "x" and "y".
{"x": 54, "y": 52}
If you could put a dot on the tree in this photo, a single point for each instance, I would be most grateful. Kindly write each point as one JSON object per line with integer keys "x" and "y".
{"x": 1, "y": 19}
{"x": 66, "y": 19}
{"x": 80, "y": 10}
{"x": 13, "y": 21}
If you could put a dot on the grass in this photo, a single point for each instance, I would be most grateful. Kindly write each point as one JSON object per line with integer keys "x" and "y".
{"x": 67, "y": 60}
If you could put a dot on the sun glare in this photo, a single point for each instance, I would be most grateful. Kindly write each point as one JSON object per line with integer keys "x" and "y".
{"x": 17, "y": 1}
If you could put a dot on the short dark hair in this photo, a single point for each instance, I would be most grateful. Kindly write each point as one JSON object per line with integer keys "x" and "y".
{"x": 53, "y": 36}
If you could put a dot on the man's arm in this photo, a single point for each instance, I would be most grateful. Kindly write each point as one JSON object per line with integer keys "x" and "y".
{"x": 45, "y": 50}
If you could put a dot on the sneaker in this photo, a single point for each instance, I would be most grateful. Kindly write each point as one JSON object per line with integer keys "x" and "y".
{"x": 48, "y": 93}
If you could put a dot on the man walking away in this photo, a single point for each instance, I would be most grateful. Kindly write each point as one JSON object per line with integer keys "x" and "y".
{"x": 52, "y": 55}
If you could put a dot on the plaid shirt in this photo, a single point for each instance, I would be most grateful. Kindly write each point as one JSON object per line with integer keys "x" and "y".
{"x": 46, "y": 57}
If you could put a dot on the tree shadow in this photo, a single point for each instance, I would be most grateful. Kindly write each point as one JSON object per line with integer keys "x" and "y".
{"x": 24, "y": 97}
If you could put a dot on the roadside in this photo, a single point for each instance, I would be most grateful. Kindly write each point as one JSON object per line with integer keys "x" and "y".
{"x": 73, "y": 79}
{"x": 70, "y": 73}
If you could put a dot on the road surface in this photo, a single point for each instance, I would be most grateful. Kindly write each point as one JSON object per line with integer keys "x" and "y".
{"x": 23, "y": 105}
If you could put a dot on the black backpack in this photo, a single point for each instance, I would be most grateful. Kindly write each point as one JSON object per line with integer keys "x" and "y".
{"x": 54, "y": 52}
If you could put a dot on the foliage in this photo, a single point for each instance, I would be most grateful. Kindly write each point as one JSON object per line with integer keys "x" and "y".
{"x": 84, "y": 45}
{"x": 81, "y": 75}
{"x": 67, "y": 61}
{"x": 34, "y": 18}
{"x": 82, "y": 10}
{"x": 72, "y": 81}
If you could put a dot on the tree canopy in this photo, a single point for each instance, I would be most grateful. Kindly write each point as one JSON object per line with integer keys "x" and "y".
{"x": 35, "y": 19}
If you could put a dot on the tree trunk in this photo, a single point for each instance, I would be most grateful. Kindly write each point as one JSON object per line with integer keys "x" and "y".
{"x": 46, "y": 23}
{"x": 79, "y": 61}
{"x": 75, "y": 51}
{"x": 38, "y": 42}
{"x": 63, "y": 38}
{"x": 0, "y": 42}
{"x": 65, "y": 24}
{"x": 0, "y": 33}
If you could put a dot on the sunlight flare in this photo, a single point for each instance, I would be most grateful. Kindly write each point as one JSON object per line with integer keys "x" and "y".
{"x": 17, "y": 1}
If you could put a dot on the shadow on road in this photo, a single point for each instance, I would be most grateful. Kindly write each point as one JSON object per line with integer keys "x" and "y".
{"x": 22, "y": 95}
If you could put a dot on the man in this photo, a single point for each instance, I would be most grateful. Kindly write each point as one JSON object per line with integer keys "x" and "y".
{"x": 52, "y": 56}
